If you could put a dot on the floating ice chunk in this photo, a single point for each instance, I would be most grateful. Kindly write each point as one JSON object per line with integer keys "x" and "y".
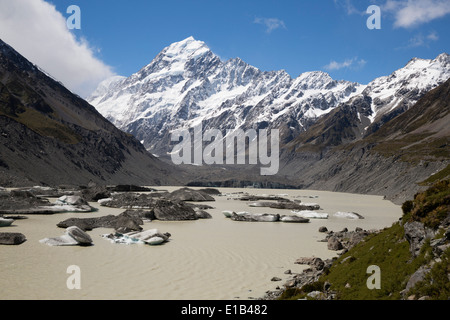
{"x": 348, "y": 215}
{"x": 228, "y": 214}
{"x": 310, "y": 214}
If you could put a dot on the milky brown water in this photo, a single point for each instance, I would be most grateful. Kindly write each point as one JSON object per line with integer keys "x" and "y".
{"x": 214, "y": 259}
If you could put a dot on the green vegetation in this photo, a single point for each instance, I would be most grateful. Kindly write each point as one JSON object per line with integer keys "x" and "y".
{"x": 436, "y": 284}
{"x": 27, "y": 108}
{"x": 45, "y": 126}
{"x": 415, "y": 148}
{"x": 430, "y": 207}
{"x": 443, "y": 174}
{"x": 389, "y": 250}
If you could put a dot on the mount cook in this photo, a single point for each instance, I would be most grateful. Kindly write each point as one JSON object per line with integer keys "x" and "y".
{"x": 187, "y": 84}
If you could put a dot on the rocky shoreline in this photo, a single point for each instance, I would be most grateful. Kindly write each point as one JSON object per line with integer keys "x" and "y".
{"x": 341, "y": 242}
{"x": 415, "y": 252}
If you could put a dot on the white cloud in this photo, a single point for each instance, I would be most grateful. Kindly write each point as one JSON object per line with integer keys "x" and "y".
{"x": 348, "y": 6}
{"x": 419, "y": 40}
{"x": 349, "y": 63}
{"x": 39, "y": 32}
{"x": 270, "y": 23}
{"x": 411, "y": 13}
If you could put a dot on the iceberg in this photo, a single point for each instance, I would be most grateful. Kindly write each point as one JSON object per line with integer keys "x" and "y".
{"x": 310, "y": 214}
{"x": 151, "y": 237}
{"x": 348, "y": 215}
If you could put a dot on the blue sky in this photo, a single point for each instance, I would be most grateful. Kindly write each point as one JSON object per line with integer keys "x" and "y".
{"x": 297, "y": 36}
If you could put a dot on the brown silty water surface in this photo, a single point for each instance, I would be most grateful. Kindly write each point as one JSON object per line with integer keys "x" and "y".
{"x": 214, "y": 259}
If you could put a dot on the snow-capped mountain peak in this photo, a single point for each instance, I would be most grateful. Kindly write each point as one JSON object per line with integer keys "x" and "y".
{"x": 187, "y": 84}
{"x": 405, "y": 86}
{"x": 189, "y": 48}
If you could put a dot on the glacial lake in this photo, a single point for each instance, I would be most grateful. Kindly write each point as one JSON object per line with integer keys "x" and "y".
{"x": 214, "y": 259}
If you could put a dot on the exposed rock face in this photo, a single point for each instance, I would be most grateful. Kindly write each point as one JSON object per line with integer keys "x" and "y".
{"x": 67, "y": 141}
{"x": 317, "y": 263}
{"x": 418, "y": 276}
{"x": 221, "y": 94}
{"x": 416, "y": 234}
{"x": 345, "y": 239}
{"x": 10, "y": 238}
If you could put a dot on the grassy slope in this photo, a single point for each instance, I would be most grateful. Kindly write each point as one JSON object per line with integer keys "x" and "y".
{"x": 390, "y": 251}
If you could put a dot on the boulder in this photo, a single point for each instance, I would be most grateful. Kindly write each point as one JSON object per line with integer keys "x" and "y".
{"x": 315, "y": 262}
{"x": 334, "y": 244}
{"x": 416, "y": 234}
{"x": 10, "y": 238}
{"x": 323, "y": 229}
{"x": 275, "y": 279}
{"x": 418, "y": 276}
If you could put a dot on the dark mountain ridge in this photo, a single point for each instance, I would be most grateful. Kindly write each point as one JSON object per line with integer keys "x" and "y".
{"x": 50, "y": 136}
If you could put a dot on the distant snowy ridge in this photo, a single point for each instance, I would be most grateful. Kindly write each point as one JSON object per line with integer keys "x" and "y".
{"x": 187, "y": 84}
